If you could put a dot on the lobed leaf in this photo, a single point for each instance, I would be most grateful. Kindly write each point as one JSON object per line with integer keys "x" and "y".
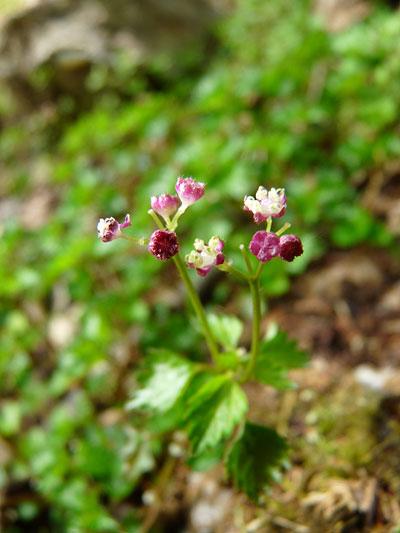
{"x": 277, "y": 356}
{"x": 214, "y": 411}
{"x": 164, "y": 380}
{"x": 226, "y": 329}
{"x": 256, "y": 459}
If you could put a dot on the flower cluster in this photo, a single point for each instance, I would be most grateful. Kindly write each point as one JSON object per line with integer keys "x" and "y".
{"x": 188, "y": 191}
{"x": 266, "y": 245}
{"x": 266, "y": 204}
{"x": 205, "y": 256}
{"x": 163, "y": 243}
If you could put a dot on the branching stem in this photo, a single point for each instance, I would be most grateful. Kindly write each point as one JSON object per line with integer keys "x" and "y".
{"x": 194, "y": 297}
{"x": 226, "y": 267}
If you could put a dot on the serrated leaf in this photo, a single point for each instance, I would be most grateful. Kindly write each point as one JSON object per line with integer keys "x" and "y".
{"x": 164, "y": 379}
{"x": 273, "y": 375}
{"x": 256, "y": 459}
{"x": 173, "y": 417}
{"x": 277, "y": 355}
{"x": 226, "y": 329}
{"x": 282, "y": 351}
{"x": 214, "y": 411}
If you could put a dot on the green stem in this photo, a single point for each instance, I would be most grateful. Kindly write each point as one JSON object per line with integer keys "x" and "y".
{"x": 194, "y": 297}
{"x": 283, "y": 228}
{"x": 226, "y": 267}
{"x": 141, "y": 241}
{"x": 174, "y": 224}
{"x": 255, "y": 341}
{"x": 258, "y": 271}
{"x": 254, "y": 283}
{"x": 197, "y": 305}
{"x": 246, "y": 258}
{"x": 155, "y": 218}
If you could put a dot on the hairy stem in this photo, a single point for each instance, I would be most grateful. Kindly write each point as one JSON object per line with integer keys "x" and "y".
{"x": 197, "y": 305}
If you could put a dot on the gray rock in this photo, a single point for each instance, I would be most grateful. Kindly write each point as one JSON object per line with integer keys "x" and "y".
{"x": 71, "y": 35}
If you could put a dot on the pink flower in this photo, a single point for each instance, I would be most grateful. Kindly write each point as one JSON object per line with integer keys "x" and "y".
{"x": 109, "y": 229}
{"x": 291, "y": 247}
{"x": 205, "y": 256}
{"x": 189, "y": 190}
{"x": 265, "y": 246}
{"x": 163, "y": 244}
{"x": 165, "y": 205}
{"x": 266, "y": 204}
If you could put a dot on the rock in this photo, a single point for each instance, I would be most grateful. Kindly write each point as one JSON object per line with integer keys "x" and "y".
{"x": 71, "y": 35}
{"x": 373, "y": 378}
{"x": 210, "y": 505}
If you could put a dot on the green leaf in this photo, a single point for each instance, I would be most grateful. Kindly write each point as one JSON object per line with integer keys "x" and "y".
{"x": 277, "y": 355}
{"x": 206, "y": 460}
{"x": 273, "y": 375}
{"x": 256, "y": 459}
{"x": 173, "y": 417}
{"x": 229, "y": 360}
{"x": 214, "y": 411}
{"x": 282, "y": 350}
{"x": 226, "y": 329}
{"x": 10, "y": 418}
{"x": 164, "y": 380}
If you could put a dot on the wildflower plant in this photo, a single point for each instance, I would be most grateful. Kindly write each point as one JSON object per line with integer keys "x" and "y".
{"x": 207, "y": 399}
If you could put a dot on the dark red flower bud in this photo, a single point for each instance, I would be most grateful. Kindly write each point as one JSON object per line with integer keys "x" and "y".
{"x": 291, "y": 247}
{"x": 163, "y": 244}
{"x": 264, "y": 245}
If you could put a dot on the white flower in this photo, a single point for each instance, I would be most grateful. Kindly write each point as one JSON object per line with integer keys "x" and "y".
{"x": 266, "y": 204}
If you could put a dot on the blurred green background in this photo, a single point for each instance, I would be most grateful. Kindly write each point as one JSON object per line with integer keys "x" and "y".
{"x": 267, "y": 95}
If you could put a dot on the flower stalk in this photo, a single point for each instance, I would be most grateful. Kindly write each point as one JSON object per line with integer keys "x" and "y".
{"x": 197, "y": 305}
{"x": 254, "y": 284}
{"x": 194, "y": 297}
{"x": 246, "y": 259}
